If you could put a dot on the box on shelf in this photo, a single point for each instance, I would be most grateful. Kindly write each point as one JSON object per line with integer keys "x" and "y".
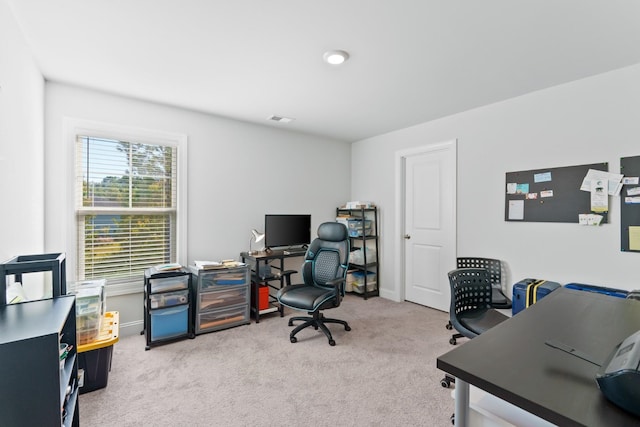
{"x": 358, "y": 227}
{"x": 263, "y": 296}
{"x": 94, "y": 359}
{"x": 348, "y": 287}
{"x": 357, "y": 204}
{"x": 357, "y": 255}
{"x": 358, "y": 281}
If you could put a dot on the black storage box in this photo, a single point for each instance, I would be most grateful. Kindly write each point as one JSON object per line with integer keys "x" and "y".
{"x": 94, "y": 359}
{"x": 95, "y": 365}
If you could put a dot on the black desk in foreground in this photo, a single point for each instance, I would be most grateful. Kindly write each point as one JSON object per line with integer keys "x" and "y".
{"x": 512, "y": 362}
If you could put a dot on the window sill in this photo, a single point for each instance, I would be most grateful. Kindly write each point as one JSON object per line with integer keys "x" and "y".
{"x": 124, "y": 288}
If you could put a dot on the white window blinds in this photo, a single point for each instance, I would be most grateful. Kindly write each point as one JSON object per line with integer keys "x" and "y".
{"x": 126, "y": 196}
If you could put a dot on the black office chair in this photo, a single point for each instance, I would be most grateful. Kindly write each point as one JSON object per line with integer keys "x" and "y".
{"x": 324, "y": 272}
{"x": 470, "y": 310}
{"x": 494, "y": 266}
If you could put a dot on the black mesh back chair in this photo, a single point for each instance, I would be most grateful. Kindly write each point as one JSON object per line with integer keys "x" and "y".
{"x": 470, "y": 311}
{"x": 494, "y": 266}
{"x": 323, "y": 272}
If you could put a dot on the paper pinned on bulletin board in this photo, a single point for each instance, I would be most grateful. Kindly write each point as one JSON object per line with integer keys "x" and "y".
{"x": 613, "y": 180}
{"x": 634, "y": 238}
{"x": 599, "y": 196}
{"x": 516, "y": 209}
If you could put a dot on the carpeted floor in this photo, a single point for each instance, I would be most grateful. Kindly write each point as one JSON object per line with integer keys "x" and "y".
{"x": 381, "y": 373}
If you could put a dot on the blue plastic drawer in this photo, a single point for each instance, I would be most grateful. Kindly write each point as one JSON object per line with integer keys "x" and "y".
{"x": 169, "y": 322}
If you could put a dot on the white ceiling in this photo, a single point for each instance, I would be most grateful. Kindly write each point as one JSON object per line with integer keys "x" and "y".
{"x": 411, "y": 60}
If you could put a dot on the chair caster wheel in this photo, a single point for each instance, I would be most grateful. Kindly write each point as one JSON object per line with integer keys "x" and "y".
{"x": 452, "y": 341}
{"x": 347, "y": 328}
{"x": 293, "y": 339}
{"x": 290, "y": 323}
{"x": 453, "y": 419}
{"x": 445, "y": 382}
{"x": 449, "y": 326}
{"x": 332, "y": 343}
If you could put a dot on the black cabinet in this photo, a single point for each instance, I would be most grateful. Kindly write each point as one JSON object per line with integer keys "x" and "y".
{"x": 167, "y": 306}
{"x": 39, "y": 378}
{"x": 362, "y": 223}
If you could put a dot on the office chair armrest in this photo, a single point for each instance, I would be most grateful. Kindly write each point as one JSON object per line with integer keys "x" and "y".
{"x": 336, "y": 284}
{"x": 287, "y": 276}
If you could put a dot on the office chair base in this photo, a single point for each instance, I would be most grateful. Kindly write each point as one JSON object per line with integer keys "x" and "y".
{"x": 318, "y": 322}
{"x": 449, "y": 326}
{"x": 454, "y": 337}
{"x": 447, "y": 380}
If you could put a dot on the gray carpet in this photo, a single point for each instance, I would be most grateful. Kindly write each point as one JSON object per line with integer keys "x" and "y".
{"x": 381, "y": 373}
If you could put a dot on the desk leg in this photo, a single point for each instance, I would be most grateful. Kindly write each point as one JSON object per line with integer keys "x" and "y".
{"x": 462, "y": 403}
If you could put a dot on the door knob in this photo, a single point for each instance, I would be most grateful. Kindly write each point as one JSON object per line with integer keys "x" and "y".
{"x": 406, "y": 236}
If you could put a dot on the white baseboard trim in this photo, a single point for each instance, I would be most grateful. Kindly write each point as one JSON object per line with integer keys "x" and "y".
{"x": 390, "y": 295}
{"x": 131, "y": 328}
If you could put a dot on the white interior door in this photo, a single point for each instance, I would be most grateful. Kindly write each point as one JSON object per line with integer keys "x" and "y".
{"x": 430, "y": 224}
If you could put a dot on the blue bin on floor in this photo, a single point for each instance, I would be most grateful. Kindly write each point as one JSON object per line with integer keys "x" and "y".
{"x": 169, "y": 322}
{"x": 597, "y": 289}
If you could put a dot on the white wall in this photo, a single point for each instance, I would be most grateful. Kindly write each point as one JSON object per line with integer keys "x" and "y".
{"x": 237, "y": 173}
{"x": 587, "y": 121}
{"x": 21, "y": 144}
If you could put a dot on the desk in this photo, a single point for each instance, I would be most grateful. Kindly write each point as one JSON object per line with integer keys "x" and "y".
{"x": 512, "y": 362}
{"x": 265, "y": 258}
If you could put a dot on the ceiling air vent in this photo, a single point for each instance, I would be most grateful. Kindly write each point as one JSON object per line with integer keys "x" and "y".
{"x": 281, "y": 119}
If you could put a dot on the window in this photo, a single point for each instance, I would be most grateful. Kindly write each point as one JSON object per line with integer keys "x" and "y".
{"x": 126, "y": 207}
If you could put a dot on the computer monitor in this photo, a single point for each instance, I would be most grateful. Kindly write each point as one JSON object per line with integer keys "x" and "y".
{"x": 287, "y": 230}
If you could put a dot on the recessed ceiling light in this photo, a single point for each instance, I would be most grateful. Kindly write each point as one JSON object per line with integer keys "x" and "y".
{"x": 335, "y": 57}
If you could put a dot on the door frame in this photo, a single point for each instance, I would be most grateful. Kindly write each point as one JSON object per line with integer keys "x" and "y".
{"x": 400, "y": 205}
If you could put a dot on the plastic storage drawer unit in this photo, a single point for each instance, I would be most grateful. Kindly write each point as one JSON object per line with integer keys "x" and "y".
{"x": 169, "y": 322}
